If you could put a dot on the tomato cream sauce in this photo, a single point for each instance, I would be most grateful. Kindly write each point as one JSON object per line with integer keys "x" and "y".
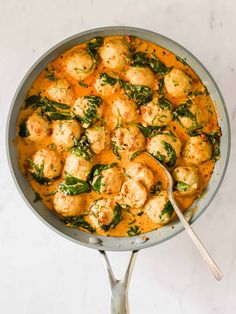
{"x": 130, "y": 217}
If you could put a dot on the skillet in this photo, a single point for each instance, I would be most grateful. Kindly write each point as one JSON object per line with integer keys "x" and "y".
{"x": 119, "y": 304}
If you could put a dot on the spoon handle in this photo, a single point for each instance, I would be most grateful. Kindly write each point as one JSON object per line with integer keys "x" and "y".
{"x": 201, "y": 248}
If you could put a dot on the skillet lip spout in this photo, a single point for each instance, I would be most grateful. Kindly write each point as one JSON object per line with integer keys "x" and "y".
{"x": 117, "y": 243}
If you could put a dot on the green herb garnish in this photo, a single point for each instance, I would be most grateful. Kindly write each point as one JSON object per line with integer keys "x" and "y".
{"x": 81, "y": 83}
{"x": 117, "y": 218}
{"x": 74, "y": 186}
{"x": 23, "y": 131}
{"x": 181, "y": 60}
{"x": 141, "y": 94}
{"x": 79, "y": 221}
{"x": 182, "y": 186}
{"x": 168, "y": 210}
{"x": 107, "y": 79}
{"x": 141, "y": 59}
{"x": 93, "y": 45}
{"x": 93, "y": 102}
{"x": 133, "y": 231}
{"x": 82, "y": 148}
{"x": 156, "y": 188}
{"x": 37, "y": 197}
{"x": 96, "y": 173}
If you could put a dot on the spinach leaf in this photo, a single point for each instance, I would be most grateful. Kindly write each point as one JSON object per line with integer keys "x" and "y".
{"x": 38, "y": 173}
{"x": 137, "y": 153}
{"x": 93, "y": 45}
{"x": 148, "y": 131}
{"x": 142, "y": 59}
{"x": 81, "y": 83}
{"x": 82, "y": 148}
{"x": 141, "y": 94}
{"x": 214, "y": 139}
{"x": 91, "y": 113}
{"x": 115, "y": 150}
{"x": 79, "y": 221}
{"x": 168, "y": 210}
{"x": 181, "y": 60}
{"x": 23, "y": 131}
{"x": 74, "y": 186}
{"x": 133, "y": 231}
{"x": 117, "y": 218}
{"x": 96, "y": 173}
{"x": 156, "y": 188}
{"x": 184, "y": 111}
{"x": 107, "y": 79}
{"x": 170, "y": 153}
{"x": 37, "y": 197}
{"x": 164, "y": 103}
{"x": 49, "y": 109}
{"x": 182, "y": 186}
{"x": 161, "y": 85}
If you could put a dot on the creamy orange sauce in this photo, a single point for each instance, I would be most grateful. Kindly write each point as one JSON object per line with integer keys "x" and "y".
{"x": 27, "y": 149}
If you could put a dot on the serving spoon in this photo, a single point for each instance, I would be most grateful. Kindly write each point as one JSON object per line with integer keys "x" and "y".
{"x": 201, "y": 248}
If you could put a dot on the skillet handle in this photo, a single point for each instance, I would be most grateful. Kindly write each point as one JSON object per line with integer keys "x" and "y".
{"x": 119, "y": 288}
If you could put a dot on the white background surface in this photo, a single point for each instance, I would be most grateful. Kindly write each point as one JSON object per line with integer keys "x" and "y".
{"x": 41, "y": 272}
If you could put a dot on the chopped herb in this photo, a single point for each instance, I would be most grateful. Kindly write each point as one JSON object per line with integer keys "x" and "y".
{"x": 137, "y": 153}
{"x": 184, "y": 111}
{"x": 23, "y": 131}
{"x": 132, "y": 222}
{"x": 168, "y": 210}
{"x": 81, "y": 83}
{"x": 214, "y": 139}
{"x": 182, "y": 186}
{"x": 93, "y": 45}
{"x": 141, "y": 94}
{"x": 133, "y": 231}
{"x": 107, "y": 79}
{"x": 161, "y": 86}
{"x": 156, "y": 188}
{"x": 37, "y": 197}
{"x": 79, "y": 221}
{"x": 74, "y": 186}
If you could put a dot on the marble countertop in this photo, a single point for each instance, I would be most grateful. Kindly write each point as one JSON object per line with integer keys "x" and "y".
{"x": 41, "y": 272}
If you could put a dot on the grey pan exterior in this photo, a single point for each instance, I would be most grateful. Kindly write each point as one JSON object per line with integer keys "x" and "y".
{"x": 117, "y": 243}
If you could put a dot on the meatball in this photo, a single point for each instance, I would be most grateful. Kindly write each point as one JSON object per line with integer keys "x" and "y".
{"x": 141, "y": 173}
{"x": 128, "y": 138}
{"x": 197, "y": 150}
{"x": 60, "y": 91}
{"x": 109, "y": 181}
{"x": 140, "y": 76}
{"x": 37, "y": 127}
{"x": 68, "y": 205}
{"x": 98, "y": 138}
{"x": 177, "y": 83}
{"x": 124, "y": 110}
{"x": 77, "y": 166}
{"x": 79, "y": 64}
{"x": 186, "y": 179}
{"x": 104, "y": 88}
{"x": 154, "y": 113}
{"x": 133, "y": 194}
{"x": 64, "y": 132}
{"x": 86, "y": 109}
{"x": 114, "y": 54}
{"x": 48, "y": 162}
{"x": 159, "y": 147}
{"x": 105, "y": 213}
{"x": 158, "y": 208}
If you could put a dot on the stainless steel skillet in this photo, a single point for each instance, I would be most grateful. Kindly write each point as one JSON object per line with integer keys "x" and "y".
{"x": 134, "y": 244}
